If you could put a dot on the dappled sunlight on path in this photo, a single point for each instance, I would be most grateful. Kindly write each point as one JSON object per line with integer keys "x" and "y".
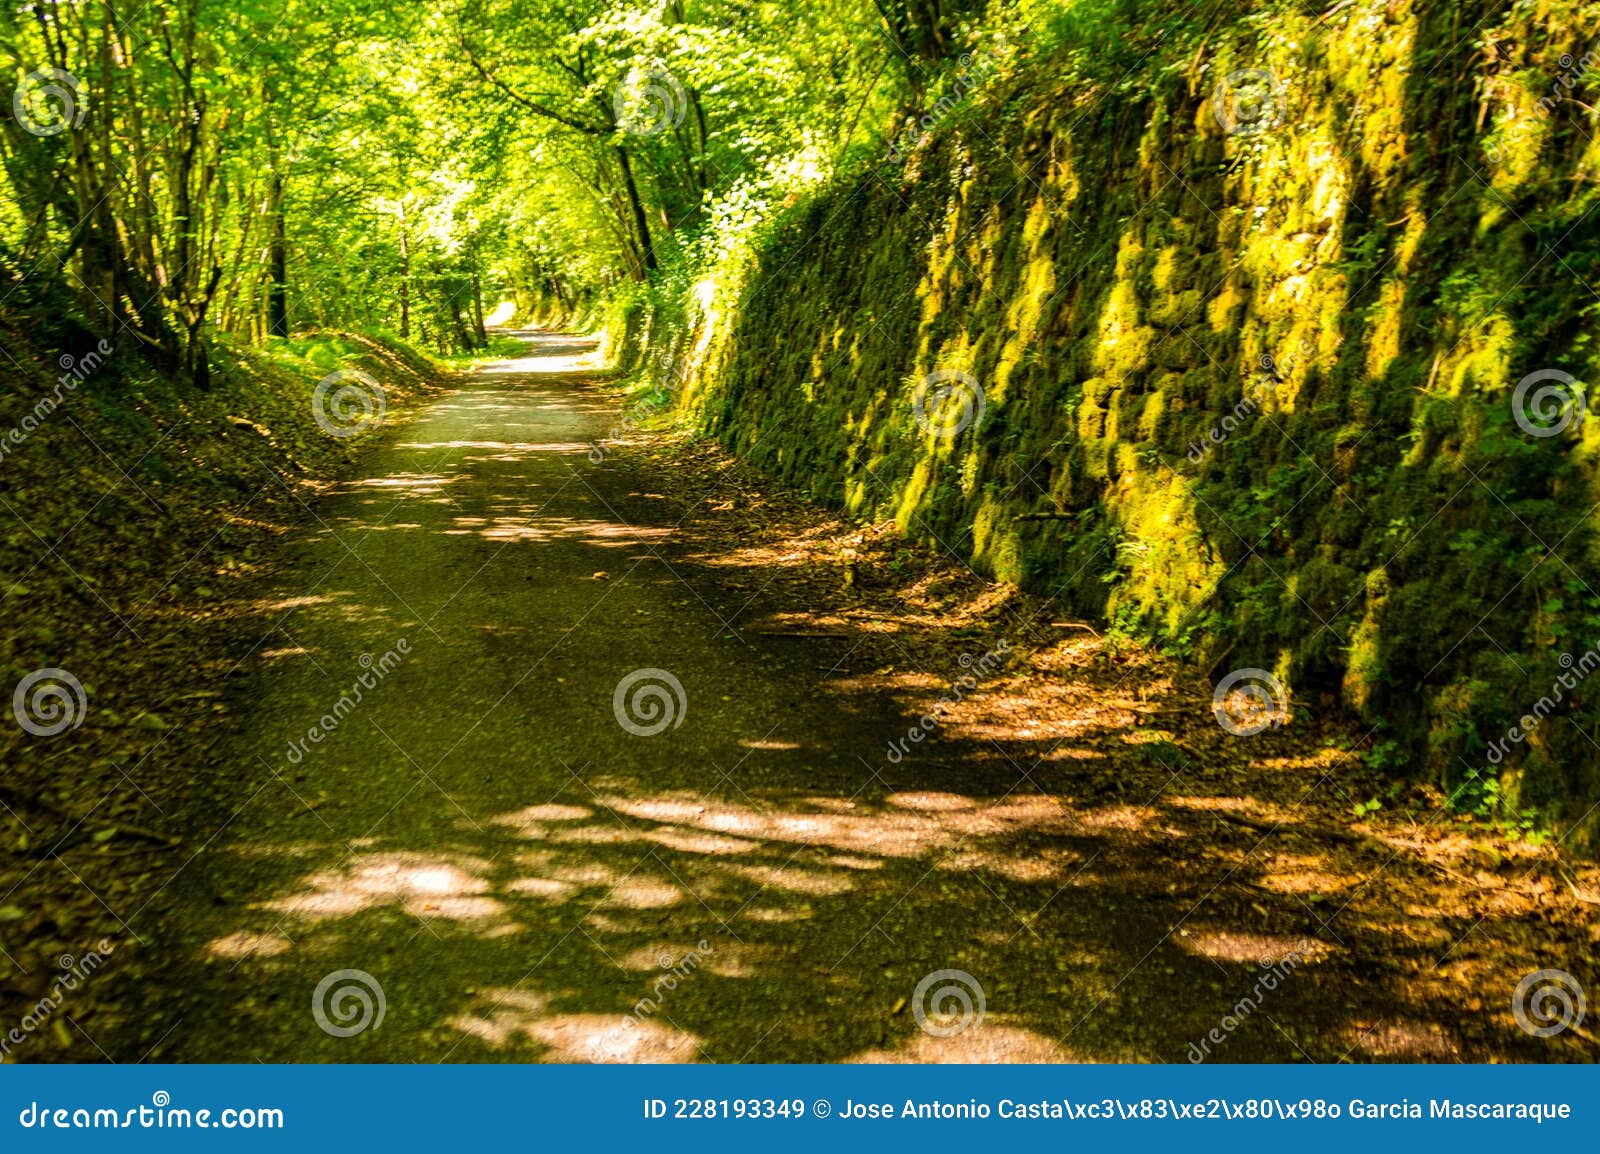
{"x": 457, "y": 795}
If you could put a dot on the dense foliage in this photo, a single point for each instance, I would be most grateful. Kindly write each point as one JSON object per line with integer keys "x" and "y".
{"x": 191, "y": 167}
{"x": 1302, "y": 396}
{"x": 801, "y": 209}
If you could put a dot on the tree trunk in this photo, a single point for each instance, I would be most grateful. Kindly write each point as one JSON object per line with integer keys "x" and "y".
{"x": 641, "y": 223}
{"x": 278, "y": 263}
{"x": 405, "y": 282}
{"x": 477, "y": 300}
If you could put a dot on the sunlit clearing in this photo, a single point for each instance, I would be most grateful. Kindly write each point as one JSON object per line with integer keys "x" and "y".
{"x": 508, "y": 1017}
{"x": 248, "y": 945}
{"x": 984, "y": 1042}
{"x": 420, "y": 885}
{"x": 1265, "y": 950}
{"x": 507, "y": 447}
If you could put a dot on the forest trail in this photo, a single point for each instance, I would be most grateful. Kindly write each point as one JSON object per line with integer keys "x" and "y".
{"x": 517, "y": 876}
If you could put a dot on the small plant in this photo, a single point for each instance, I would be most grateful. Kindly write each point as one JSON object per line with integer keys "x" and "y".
{"x": 1483, "y": 798}
{"x": 1479, "y": 795}
{"x": 904, "y": 561}
{"x": 1162, "y": 753}
{"x": 1529, "y": 826}
{"x": 1385, "y": 757}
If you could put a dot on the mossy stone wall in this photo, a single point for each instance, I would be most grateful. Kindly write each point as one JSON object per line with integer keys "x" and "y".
{"x": 1248, "y": 393}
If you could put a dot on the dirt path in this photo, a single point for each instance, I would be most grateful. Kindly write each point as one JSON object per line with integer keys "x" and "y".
{"x": 524, "y": 878}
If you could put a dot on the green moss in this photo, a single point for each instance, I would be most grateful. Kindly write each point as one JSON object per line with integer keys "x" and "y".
{"x": 1338, "y": 325}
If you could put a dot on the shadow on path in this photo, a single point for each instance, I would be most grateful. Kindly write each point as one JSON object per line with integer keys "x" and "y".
{"x": 447, "y": 799}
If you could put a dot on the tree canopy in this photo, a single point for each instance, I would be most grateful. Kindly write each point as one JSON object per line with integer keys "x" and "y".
{"x": 248, "y": 167}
